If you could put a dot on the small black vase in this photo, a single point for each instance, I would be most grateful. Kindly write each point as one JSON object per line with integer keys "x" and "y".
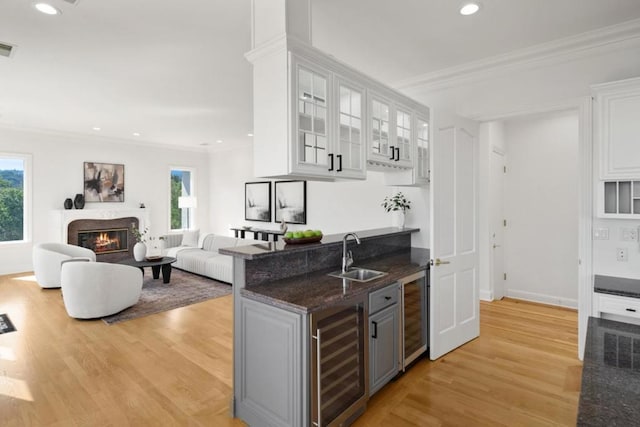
{"x": 78, "y": 201}
{"x": 68, "y": 203}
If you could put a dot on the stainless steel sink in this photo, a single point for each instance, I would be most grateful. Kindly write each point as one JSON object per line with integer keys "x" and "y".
{"x": 359, "y": 274}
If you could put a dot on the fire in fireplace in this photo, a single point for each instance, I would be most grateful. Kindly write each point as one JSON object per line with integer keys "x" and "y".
{"x": 104, "y": 241}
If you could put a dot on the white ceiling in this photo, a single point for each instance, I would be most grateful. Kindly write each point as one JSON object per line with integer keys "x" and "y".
{"x": 175, "y": 71}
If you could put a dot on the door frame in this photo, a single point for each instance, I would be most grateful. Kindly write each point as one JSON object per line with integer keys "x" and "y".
{"x": 586, "y": 180}
{"x": 492, "y": 287}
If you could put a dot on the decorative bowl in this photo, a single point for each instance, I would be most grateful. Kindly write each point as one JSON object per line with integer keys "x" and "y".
{"x": 153, "y": 258}
{"x": 302, "y": 240}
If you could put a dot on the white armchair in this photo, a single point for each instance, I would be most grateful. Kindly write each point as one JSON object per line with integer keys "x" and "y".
{"x": 48, "y": 257}
{"x": 97, "y": 289}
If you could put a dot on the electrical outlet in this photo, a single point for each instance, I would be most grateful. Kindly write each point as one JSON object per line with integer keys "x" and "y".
{"x": 600, "y": 234}
{"x": 622, "y": 254}
{"x": 630, "y": 234}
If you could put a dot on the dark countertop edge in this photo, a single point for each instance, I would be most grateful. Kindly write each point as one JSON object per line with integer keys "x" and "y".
{"x": 267, "y": 249}
{"x": 613, "y": 285}
{"x": 357, "y": 290}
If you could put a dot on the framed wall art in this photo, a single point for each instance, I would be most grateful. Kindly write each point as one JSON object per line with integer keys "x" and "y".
{"x": 103, "y": 182}
{"x": 291, "y": 201}
{"x": 257, "y": 201}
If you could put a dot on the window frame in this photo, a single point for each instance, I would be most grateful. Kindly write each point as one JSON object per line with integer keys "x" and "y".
{"x": 192, "y": 216}
{"x": 27, "y": 205}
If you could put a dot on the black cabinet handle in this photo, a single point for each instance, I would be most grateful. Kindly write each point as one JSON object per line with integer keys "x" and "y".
{"x": 633, "y": 310}
{"x": 393, "y": 153}
{"x": 397, "y": 154}
{"x": 339, "y": 156}
{"x": 387, "y": 298}
{"x": 331, "y": 162}
{"x": 375, "y": 329}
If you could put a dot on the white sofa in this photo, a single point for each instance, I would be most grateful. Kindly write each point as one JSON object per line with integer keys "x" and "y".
{"x": 48, "y": 257}
{"x": 98, "y": 289}
{"x": 205, "y": 259}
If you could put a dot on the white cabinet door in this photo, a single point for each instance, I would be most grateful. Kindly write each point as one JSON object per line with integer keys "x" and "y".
{"x": 312, "y": 120}
{"x": 348, "y": 148}
{"x": 454, "y": 302}
{"x": 617, "y": 109}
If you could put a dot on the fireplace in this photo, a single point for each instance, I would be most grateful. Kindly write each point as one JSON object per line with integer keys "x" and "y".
{"x": 110, "y": 239}
{"x": 104, "y": 241}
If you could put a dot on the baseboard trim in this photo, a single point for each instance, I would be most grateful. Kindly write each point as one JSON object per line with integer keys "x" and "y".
{"x": 16, "y": 269}
{"x": 486, "y": 295}
{"x": 542, "y": 298}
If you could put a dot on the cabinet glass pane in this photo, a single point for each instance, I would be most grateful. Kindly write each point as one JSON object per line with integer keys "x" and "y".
{"x": 611, "y": 197}
{"x": 312, "y": 117}
{"x": 380, "y": 126}
{"x": 422, "y": 142}
{"x": 636, "y": 188}
{"x": 403, "y": 134}
{"x": 636, "y": 206}
{"x": 624, "y": 197}
{"x": 350, "y": 123}
{"x": 356, "y": 103}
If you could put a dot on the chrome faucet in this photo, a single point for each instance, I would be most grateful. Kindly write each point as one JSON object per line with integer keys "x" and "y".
{"x": 347, "y": 257}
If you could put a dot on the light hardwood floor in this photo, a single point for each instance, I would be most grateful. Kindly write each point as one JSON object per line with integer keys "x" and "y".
{"x": 174, "y": 368}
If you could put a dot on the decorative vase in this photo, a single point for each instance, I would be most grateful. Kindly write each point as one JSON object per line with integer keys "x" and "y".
{"x": 283, "y": 226}
{"x": 139, "y": 251}
{"x": 78, "y": 201}
{"x": 68, "y": 203}
{"x": 397, "y": 219}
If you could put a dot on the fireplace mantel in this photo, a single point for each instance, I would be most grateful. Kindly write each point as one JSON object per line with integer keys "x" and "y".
{"x": 68, "y": 215}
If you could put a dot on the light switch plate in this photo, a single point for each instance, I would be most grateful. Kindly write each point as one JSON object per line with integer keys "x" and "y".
{"x": 601, "y": 233}
{"x": 622, "y": 254}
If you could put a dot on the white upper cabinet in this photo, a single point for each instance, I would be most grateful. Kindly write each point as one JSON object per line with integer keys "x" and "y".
{"x": 617, "y": 128}
{"x": 419, "y": 174}
{"x": 316, "y": 118}
{"x": 390, "y": 138}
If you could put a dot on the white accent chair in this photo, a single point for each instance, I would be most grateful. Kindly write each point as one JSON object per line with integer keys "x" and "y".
{"x": 48, "y": 257}
{"x": 98, "y": 289}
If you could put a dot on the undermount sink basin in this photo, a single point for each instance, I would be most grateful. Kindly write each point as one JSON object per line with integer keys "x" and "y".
{"x": 359, "y": 274}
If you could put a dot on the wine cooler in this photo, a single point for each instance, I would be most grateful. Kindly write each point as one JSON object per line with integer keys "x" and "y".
{"x": 414, "y": 319}
{"x": 339, "y": 361}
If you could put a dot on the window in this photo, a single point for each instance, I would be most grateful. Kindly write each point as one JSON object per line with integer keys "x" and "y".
{"x": 14, "y": 169}
{"x": 182, "y": 199}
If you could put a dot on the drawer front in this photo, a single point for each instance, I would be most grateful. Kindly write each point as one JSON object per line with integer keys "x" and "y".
{"x": 619, "y": 305}
{"x": 383, "y": 298}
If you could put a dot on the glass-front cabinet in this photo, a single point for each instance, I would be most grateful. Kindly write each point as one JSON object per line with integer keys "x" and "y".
{"x": 390, "y": 136}
{"x": 328, "y": 123}
{"x": 619, "y": 199}
{"x": 422, "y": 151}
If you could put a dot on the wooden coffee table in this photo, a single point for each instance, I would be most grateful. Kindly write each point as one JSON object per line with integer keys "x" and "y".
{"x": 156, "y": 265}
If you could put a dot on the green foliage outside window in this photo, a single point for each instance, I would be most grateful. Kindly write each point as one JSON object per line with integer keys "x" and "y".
{"x": 11, "y": 205}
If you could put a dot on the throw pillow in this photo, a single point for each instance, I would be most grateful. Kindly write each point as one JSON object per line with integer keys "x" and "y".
{"x": 190, "y": 238}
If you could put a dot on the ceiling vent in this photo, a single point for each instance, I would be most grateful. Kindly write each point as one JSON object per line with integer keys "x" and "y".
{"x": 5, "y": 49}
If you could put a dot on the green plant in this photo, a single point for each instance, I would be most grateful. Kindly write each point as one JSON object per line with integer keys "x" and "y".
{"x": 140, "y": 236}
{"x": 397, "y": 202}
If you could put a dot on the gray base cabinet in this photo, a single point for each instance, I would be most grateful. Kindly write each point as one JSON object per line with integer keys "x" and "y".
{"x": 272, "y": 379}
{"x": 383, "y": 337}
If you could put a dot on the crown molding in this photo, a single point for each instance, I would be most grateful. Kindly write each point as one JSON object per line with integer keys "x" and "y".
{"x": 582, "y": 45}
{"x": 542, "y": 108}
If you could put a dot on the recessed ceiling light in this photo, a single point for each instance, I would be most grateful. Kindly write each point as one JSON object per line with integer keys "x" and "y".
{"x": 96, "y": 128}
{"x": 249, "y": 134}
{"x": 469, "y": 8}
{"x": 136, "y": 134}
{"x": 47, "y": 9}
{"x": 219, "y": 141}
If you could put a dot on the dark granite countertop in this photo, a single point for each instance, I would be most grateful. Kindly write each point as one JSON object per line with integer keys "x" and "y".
{"x": 267, "y": 249}
{"x": 617, "y": 286}
{"x": 610, "y": 394}
{"x": 314, "y": 291}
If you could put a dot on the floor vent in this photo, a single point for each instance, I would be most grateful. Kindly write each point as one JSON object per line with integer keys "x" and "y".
{"x": 5, "y": 49}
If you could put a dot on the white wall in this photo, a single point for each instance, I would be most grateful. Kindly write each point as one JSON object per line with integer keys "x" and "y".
{"x": 541, "y": 207}
{"x": 333, "y": 207}
{"x": 604, "y": 251}
{"x": 491, "y": 136}
{"x": 57, "y": 173}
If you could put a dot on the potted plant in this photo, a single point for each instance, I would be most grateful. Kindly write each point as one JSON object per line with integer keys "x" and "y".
{"x": 140, "y": 248}
{"x": 399, "y": 205}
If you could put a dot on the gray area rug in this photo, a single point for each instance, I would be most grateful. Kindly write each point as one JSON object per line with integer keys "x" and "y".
{"x": 184, "y": 289}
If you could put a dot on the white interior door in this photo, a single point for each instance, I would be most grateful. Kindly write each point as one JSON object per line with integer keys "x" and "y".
{"x": 454, "y": 302}
{"x": 496, "y": 209}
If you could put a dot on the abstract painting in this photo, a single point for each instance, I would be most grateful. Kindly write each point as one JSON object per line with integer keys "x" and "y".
{"x": 103, "y": 182}
{"x": 291, "y": 201}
